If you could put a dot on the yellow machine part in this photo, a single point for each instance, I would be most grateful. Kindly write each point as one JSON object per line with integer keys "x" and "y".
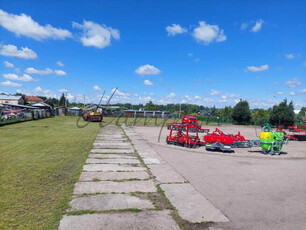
{"x": 95, "y": 113}
{"x": 265, "y": 135}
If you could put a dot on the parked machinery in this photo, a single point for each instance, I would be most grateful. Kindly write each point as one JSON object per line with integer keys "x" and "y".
{"x": 299, "y": 133}
{"x": 180, "y": 133}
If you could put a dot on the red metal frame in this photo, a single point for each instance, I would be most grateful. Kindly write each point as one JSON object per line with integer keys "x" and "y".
{"x": 226, "y": 139}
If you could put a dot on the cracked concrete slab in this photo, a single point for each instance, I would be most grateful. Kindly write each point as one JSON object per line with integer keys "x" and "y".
{"x": 110, "y": 186}
{"x": 149, "y": 220}
{"x": 89, "y": 176}
{"x": 112, "y": 161}
{"x": 105, "y": 151}
{"x": 114, "y": 156}
{"x": 112, "y": 146}
{"x": 191, "y": 205}
{"x": 111, "y": 167}
{"x": 164, "y": 173}
{"x": 109, "y": 202}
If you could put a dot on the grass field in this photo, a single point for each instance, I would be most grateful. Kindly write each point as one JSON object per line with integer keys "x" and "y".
{"x": 39, "y": 163}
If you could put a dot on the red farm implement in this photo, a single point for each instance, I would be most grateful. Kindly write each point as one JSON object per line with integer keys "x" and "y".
{"x": 299, "y": 133}
{"x": 220, "y": 141}
{"x": 180, "y": 133}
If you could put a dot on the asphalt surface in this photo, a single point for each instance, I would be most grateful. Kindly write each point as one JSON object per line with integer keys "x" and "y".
{"x": 254, "y": 193}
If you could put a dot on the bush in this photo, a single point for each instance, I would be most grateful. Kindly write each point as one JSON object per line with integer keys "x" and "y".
{"x": 241, "y": 113}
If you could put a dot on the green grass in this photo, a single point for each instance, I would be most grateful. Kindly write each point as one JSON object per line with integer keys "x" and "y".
{"x": 39, "y": 163}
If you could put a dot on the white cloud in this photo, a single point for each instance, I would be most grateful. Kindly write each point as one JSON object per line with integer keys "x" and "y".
{"x": 257, "y": 69}
{"x": 147, "y": 82}
{"x": 244, "y": 25}
{"x": 45, "y": 93}
{"x": 147, "y": 70}
{"x": 197, "y": 97}
{"x": 118, "y": 93}
{"x": 31, "y": 70}
{"x": 96, "y": 35}
{"x": 279, "y": 93}
{"x": 175, "y": 29}
{"x": 208, "y": 33}
{"x": 289, "y": 56}
{"x": 292, "y": 94}
{"x": 63, "y": 90}
{"x": 26, "y": 26}
{"x": 97, "y": 88}
{"x": 206, "y": 99}
{"x": 257, "y": 26}
{"x": 9, "y": 83}
{"x": 135, "y": 94}
{"x": 214, "y": 92}
{"x": 59, "y": 63}
{"x": 171, "y": 95}
{"x": 294, "y": 83}
{"x": 8, "y": 64}
{"x": 303, "y": 91}
{"x": 60, "y": 72}
{"x": 15, "y": 77}
{"x": 70, "y": 96}
{"x": 12, "y": 51}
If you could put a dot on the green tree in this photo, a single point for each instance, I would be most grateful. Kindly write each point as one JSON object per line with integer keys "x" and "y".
{"x": 150, "y": 106}
{"x": 62, "y": 100}
{"x": 282, "y": 114}
{"x": 303, "y": 112}
{"x": 241, "y": 113}
{"x": 227, "y": 111}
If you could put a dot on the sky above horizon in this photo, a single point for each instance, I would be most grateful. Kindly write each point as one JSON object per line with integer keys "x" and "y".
{"x": 198, "y": 52}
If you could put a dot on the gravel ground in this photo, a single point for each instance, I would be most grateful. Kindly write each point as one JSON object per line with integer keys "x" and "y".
{"x": 294, "y": 149}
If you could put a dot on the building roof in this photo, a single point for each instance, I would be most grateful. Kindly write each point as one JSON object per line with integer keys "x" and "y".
{"x": 33, "y": 98}
{"x": 40, "y": 104}
{"x": 19, "y": 106}
{"x": 8, "y": 97}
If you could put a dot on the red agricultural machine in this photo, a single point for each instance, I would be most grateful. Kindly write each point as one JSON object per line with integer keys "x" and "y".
{"x": 180, "y": 133}
{"x": 299, "y": 133}
{"x": 220, "y": 141}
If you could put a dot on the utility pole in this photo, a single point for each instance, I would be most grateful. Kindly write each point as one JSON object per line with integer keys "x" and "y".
{"x": 180, "y": 110}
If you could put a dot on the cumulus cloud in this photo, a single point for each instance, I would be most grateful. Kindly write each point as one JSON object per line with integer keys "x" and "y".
{"x": 257, "y": 26}
{"x": 8, "y": 64}
{"x": 244, "y": 25}
{"x": 147, "y": 70}
{"x": 294, "y": 83}
{"x": 24, "y": 25}
{"x": 60, "y": 72}
{"x": 32, "y": 70}
{"x": 279, "y": 93}
{"x": 257, "y": 69}
{"x": 9, "y": 83}
{"x": 197, "y": 97}
{"x": 59, "y": 63}
{"x": 15, "y": 77}
{"x": 289, "y": 56}
{"x": 63, "y": 90}
{"x": 118, "y": 93}
{"x": 206, "y": 33}
{"x": 147, "y": 82}
{"x": 45, "y": 93}
{"x": 175, "y": 29}
{"x": 96, "y": 35}
{"x": 292, "y": 94}
{"x": 12, "y": 51}
{"x": 97, "y": 88}
{"x": 171, "y": 95}
{"x": 214, "y": 92}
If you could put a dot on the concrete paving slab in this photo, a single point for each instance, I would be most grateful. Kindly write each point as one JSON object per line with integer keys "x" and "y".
{"x": 112, "y": 141}
{"x": 111, "y": 167}
{"x": 110, "y": 136}
{"x": 148, "y": 220}
{"x": 89, "y": 176}
{"x": 191, "y": 205}
{"x": 164, "y": 173}
{"x": 150, "y": 161}
{"x": 112, "y": 146}
{"x": 110, "y": 186}
{"x": 113, "y": 156}
{"x": 109, "y": 202}
{"x": 112, "y": 161}
{"x": 122, "y": 151}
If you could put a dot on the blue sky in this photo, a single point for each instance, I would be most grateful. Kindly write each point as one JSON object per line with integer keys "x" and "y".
{"x": 202, "y": 52}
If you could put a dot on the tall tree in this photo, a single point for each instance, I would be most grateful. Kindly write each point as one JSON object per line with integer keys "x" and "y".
{"x": 62, "y": 101}
{"x": 150, "y": 106}
{"x": 241, "y": 113}
{"x": 282, "y": 114}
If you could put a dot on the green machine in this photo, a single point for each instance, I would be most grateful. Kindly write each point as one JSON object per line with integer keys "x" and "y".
{"x": 271, "y": 142}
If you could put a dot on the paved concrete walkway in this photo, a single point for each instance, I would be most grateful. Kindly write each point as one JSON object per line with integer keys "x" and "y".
{"x": 103, "y": 196}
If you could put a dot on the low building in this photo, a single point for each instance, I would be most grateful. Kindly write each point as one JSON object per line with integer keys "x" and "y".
{"x": 137, "y": 113}
{"x": 33, "y": 99}
{"x": 15, "y": 100}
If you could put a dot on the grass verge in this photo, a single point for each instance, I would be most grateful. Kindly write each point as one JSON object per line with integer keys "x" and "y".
{"x": 39, "y": 163}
